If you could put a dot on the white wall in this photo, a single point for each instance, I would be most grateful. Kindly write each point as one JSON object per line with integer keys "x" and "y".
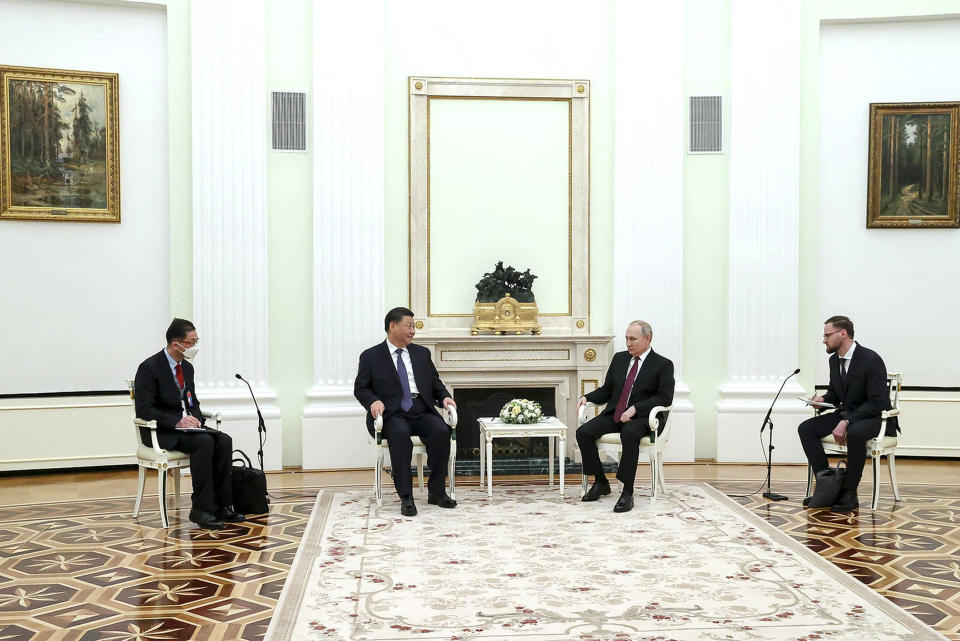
{"x": 898, "y": 285}
{"x": 82, "y": 304}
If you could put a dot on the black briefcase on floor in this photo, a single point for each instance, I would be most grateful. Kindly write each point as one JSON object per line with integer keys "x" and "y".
{"x": 249, "y": 486}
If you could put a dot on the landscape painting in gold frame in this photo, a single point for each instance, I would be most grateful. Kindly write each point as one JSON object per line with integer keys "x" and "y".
{"x": 59, "y": 145}
{"x": 914, "y": 173}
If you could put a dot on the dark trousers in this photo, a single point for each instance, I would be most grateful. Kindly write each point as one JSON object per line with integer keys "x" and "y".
{"x": 630, "y": 434}
{"x": 858, "y": 433}
{"x": 210, "y": 461}
{"x": 424, "y": 422}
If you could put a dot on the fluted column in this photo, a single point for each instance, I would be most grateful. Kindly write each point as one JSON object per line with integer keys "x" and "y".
{"x": 228, "y": 52}
{"x": 348, "y": 289}
{"x": 764, "y": 230}
{"x": 648, "y": 188}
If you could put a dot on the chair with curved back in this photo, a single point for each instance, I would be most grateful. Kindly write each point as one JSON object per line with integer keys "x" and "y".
{"x": 380, "y": 447}
{"x": 653, "y": 444}
{"x": 878, "y": 447}
{"x": 165, "y": 462}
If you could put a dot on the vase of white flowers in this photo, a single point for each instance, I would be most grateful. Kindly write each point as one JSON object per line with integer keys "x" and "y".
{"x": 520, "y": 410}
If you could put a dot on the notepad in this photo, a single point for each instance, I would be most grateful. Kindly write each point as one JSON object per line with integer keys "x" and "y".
{"x": 822, "y": 406}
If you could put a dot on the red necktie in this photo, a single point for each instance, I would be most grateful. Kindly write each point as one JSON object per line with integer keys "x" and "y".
{"x": 625, "y": 394}
{"x": 179, "y": 372}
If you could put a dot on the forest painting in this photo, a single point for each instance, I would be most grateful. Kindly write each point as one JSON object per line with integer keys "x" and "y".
{"x": 59, "y": 133}
{"x": 913, "y": 174}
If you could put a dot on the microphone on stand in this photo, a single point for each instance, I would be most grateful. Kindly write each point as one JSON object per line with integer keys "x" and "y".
{"x": 262, "y": 427}
{"x": 766, "y": 421}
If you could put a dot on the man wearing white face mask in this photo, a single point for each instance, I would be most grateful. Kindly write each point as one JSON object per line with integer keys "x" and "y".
{"x": 165, "y": 393}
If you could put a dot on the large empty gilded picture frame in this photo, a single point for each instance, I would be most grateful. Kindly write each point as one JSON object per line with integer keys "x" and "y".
{"x": 499, "y": 170}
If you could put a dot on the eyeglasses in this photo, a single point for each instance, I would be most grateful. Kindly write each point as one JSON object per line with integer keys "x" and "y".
{"x": 829, "y": 334}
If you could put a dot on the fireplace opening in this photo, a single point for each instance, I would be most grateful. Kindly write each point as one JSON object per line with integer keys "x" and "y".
{"x": 527, "y": 455}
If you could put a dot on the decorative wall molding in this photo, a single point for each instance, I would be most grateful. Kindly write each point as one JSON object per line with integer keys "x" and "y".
{"x": 228, "y": 47}
{"x": 348, "y": 261}
{"x": 648, "y": 188}
{"x": 764, "y": 230}
{"x": 577, "y": 93}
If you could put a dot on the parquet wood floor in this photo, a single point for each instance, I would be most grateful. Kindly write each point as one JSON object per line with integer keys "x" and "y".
{"x": 83, "y": 569}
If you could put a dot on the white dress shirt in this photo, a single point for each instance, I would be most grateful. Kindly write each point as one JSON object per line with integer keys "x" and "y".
{"x": 405, "y": 355}
{"x": 847, "y": 357}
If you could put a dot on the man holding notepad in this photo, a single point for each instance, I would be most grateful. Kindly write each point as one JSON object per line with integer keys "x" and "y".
{"x": 858, "y": 391}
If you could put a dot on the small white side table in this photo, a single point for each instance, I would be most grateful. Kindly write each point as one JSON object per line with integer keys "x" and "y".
{"x": 492, "y": 427}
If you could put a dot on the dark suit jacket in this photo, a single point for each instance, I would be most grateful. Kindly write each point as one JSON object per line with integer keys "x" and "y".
{"x": 863, "y": 394}
{"x": 157, "y": 398}
{"x": 377, "y": 380}
{"x": 653, "y": 386}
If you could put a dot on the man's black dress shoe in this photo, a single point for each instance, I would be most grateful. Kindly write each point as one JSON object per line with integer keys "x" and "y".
{"x": 407, "y": 506}
{"x": 806, "y": 501}
{"x": 598, "y": 489}
{"x": 624, "y": 503}
{"x": 847, "y": 502}
{"x": 442, "y": 500}
{"x": 229, "y": 515}
{"x": 205, "y": 520}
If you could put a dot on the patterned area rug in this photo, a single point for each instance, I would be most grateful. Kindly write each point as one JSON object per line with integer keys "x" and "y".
{"x": 526, "y": 565}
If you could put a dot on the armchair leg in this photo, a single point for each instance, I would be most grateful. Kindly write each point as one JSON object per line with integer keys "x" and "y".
{"x": 377, "y": 479}
{"x": 452, "y": 473}
{"x": 176, "y": 489}
{"x": 420, "y": 458}
{"x": 162, "y": 496}
{"x": 141, "y": 482}
{"x": 892, "y": 463}
{"x": 653, "y": 478}
{"x": 876, "y": 481}
{"x": 809, "y": 480}
{"x": 660, "y": 477}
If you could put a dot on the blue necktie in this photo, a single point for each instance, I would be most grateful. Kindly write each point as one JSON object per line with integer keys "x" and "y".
{"x": 407, "y": 401}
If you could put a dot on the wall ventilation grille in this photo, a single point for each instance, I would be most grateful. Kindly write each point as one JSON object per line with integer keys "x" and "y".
{"x": 706, "y": 124}
{"x": 289, "y": 124}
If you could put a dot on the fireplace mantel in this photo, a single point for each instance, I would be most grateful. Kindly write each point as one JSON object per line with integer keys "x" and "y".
{"x": 571, "y": 364}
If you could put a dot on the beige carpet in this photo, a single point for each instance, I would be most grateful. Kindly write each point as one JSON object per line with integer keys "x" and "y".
{"x": 525, "y": 565}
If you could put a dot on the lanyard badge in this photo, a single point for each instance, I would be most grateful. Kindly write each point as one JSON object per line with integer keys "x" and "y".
{"x": 189, "y": 399}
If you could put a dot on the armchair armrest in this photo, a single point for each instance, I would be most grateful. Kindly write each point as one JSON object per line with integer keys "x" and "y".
{"x": 378, "y": 428}
{"x": 152, "y": 426}
{"x": 654, "y": 422}
{"x": 885, "y": 414}
{"x": 582, "y": 413}
{"x": 449, "y": 415}
{"x": 214, "y": 416}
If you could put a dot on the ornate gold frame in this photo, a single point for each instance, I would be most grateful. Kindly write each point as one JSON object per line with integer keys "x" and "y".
{"x": 880, "y": 166}
{"x": 109, "y": 82}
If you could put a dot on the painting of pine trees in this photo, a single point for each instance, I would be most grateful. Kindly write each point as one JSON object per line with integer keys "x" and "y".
{"x": 913, "y": 165}
{"x": 59, "y": 145}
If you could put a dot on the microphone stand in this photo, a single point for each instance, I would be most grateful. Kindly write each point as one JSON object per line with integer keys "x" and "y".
{"x": 261, "y": 427}
{"x": 766, "y": 421}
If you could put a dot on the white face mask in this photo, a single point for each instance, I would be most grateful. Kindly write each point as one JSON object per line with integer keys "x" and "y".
{"x": 189, "y": 353}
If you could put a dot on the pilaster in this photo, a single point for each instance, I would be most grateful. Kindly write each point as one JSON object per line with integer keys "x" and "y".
{"x": 764, "y": 232}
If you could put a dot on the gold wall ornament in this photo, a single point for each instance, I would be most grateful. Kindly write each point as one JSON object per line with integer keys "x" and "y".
{"x": 581, "y": 88}
{"x": 418, "y": 85}
{"x": 506, "y": 316}
{"x": 419, "y": 324}
{"x": 590, "y": 355}
{"x": 580, "y": 324}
